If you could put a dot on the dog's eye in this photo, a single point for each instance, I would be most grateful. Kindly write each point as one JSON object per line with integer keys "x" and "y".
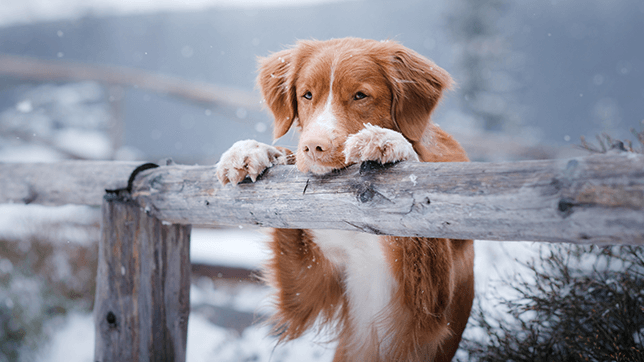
{"x": 308, "y": 95}
{"x": 359, "y": 96}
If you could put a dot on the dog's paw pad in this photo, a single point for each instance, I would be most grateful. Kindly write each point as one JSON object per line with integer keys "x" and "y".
{"x": 247, "y": 158}
{"x": 375, "y": 143}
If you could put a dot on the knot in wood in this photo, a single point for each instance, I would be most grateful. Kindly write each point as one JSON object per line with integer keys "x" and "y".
{"x": 365, "y": 192}
{"x": 565, "y": 206}
{"x": 111, "y": 319}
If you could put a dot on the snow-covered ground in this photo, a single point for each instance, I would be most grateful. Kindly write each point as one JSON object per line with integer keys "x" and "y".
{"x": 206, "y": 343}
{"x": 241, "y": 247}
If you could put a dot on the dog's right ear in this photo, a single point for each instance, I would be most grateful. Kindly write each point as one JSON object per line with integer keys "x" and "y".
{"x": 276, "y": 83}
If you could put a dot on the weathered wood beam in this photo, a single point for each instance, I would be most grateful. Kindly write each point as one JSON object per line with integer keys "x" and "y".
{"x": 60, "y": 183}
{"x": 142, "y": 286}
{"x": 595, "y": 199}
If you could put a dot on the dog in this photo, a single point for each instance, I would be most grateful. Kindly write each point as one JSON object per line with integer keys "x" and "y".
{"x": 386, "y": 298}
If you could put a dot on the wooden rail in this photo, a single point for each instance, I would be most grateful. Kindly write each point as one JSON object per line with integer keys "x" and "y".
{"x": 143, "y": 282}
{"x": 61, "y": 183}
{"x": 595, "y": 199}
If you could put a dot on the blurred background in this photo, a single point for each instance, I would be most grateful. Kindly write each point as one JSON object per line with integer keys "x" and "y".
{"x": 145, "y": 80}
{"x": 541, "y": 73}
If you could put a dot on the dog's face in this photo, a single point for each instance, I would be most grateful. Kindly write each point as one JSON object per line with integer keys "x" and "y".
{"x": 331, "y": 89}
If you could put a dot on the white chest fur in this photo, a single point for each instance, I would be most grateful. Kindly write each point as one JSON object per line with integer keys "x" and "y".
{"x": 368, "y": 279}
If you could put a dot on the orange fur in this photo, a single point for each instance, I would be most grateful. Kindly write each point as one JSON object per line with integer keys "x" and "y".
{"x": 303, "y": 297}
{"x": 318, "y": 86}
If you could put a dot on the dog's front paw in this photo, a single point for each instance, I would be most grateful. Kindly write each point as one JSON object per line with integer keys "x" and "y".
{"x": 375, "y": 143}
{"x": 247, "y": 158}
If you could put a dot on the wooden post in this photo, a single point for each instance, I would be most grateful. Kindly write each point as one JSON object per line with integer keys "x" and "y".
{"x": 143, "y": 284}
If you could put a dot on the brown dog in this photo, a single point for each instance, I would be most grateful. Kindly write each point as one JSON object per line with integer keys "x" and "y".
{"x": 388, "y": 298}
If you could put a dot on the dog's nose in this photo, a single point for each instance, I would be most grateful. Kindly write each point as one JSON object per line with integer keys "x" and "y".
{"x": 316, "y": 147}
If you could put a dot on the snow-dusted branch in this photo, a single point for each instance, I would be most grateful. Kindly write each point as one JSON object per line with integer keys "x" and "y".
{"x": 594, "y": 199}
{"x": 31, "y": 68}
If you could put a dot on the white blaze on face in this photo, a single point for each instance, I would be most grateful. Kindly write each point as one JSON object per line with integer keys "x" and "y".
{"x": 322, "y": 128}
{"x": 326, "y": 120}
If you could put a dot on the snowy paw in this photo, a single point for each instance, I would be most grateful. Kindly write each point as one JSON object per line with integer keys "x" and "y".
{"x": 247, "y": 158}
{"x": 375, "y": 143}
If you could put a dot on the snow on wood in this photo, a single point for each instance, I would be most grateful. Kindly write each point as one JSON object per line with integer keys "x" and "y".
{"x": 592, "y": 200}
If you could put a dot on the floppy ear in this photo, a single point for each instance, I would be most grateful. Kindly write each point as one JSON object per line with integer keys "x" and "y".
{"x": 275, "y": 81}
{"x": 417, "y": 86}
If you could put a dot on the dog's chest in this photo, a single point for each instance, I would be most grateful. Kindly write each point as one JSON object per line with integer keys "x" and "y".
{"x": 368, "y": 278}
{"x": 342, "y": 247}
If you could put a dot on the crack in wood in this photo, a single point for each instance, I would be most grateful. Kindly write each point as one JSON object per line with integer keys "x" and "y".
{"x": 566, "y": 206}
{"x": 420, "y": 206}
{"x": 365, "y": 228}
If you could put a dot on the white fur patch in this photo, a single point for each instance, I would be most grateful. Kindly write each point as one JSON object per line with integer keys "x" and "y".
{"x": 368, "y": 280}
{"x": 374, "y": 143}
{"x": 327, "y": 120}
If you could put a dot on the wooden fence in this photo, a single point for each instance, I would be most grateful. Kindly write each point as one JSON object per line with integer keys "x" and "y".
{"x": 142, "y": 297}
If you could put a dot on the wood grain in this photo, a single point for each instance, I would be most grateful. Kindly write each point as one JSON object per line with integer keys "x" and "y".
{"x": 60, "y": 183}
{"x": 143, "y": 284}
{"x": 595, "y": 199}
{"x": 591, "y": 200}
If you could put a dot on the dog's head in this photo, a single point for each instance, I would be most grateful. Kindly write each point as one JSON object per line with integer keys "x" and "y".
{"x": 331, "y": 89}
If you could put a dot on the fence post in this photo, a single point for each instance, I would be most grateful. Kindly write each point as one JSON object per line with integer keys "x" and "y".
{"x": 143, "y": 285}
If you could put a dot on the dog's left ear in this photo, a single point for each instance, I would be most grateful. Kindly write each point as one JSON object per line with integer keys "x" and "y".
{"x": 417, "y": 85}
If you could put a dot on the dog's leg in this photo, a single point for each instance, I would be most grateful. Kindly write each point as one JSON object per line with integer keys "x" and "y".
{"x": 459, "y": 310}
{"x": 308, "y": 285}
{"x": 424, "y": 270}
{"x": 428, "y": 271}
